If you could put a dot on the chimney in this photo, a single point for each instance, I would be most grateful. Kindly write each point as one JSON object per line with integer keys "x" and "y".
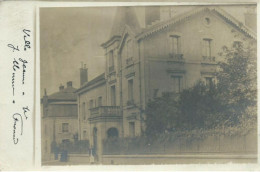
{"x": 250, "y": 18}
{"x": 83, "y": 74}
{"x": 61, "y": 87}
{"x": 152, "y": 14}
{"x": 69, "y": 84}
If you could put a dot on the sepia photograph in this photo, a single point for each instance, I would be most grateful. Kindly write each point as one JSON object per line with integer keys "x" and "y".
{"x": 143, "y": 85}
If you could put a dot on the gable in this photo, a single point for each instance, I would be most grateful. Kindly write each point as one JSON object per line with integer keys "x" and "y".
{"x": 179, "y": 19}
{"x": 127, "y": 34}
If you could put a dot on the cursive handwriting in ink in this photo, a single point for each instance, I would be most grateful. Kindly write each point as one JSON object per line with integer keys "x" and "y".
{"x": 13, "y": 48}
{"x": 25, "y": 110}
{"x": 26, "y": 42}
{"x": 15, "y": 66}
{"x": 24, "y": 66}
{"x": 13, "y": 79}
{"x": 17, "y": 118}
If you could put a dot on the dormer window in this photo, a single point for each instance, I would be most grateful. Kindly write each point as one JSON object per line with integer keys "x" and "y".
{"x": 129, "y": 46}
{"x": 111, "y": 58}
{"x": 111, "y": 61}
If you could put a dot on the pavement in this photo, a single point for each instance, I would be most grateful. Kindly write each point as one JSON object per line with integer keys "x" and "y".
{"x": 161, "y": 159}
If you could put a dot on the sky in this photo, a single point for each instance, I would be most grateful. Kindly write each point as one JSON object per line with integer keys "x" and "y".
{"x": 70, "y": 36}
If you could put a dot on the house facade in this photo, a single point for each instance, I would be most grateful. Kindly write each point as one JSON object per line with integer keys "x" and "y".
{"x": 169, "y": 52}
{"x": 59, "y": 119}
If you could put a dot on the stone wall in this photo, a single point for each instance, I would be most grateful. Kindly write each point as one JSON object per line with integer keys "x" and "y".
{"x": 212, "y": 144}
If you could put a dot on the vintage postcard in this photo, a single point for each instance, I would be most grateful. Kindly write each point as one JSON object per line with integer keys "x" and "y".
{"x": 129, "y": 86}
{"x": 135, "y": 85}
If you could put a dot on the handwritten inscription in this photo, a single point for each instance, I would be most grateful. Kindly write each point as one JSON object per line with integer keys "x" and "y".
{"x": 13, "y": 48}
{"x": 19, "y": 64}
{"x": 25, "y": 110}
{"x": 26, "y": 42}
{"x": 18, "y": 124}
{"x": 17, "y": 119}
{"x": 15, "y": 66}
{"x": 24, "y": 66}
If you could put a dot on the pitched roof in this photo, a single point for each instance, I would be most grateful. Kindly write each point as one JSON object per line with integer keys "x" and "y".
{"x": 67, "y": 94}
{"x": 97, "y": 79}
{"x": 125, "y": 16}
{"x": 181, "y": 17}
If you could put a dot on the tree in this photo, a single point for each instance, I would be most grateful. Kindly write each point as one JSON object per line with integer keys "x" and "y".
{"x": 194, "y": 108}
{"x": 237, "y": 80}
{"x": 161, "y": 115}
{"x": 200, "y": 107}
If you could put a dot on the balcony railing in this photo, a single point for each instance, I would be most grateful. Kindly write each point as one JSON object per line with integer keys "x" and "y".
{"x": 129, "y": 61}
{"x": 111, "y": 69}
{"x": 105, "y": 111}
{"x": 208, "y": 59}
{"x": 177, "y": 57}
{"x": 130, "y": 102}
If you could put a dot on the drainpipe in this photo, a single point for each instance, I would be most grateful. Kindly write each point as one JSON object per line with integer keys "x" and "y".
{"x": 121, "y": 95}
{"x": 140, "y": 88}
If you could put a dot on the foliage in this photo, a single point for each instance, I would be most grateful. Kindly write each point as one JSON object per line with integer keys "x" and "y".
{"x": 200, "y": 107}
{"x": 230, "y": 104}
{"x": 166, "y": 107}
{"x": 237, "y": 80}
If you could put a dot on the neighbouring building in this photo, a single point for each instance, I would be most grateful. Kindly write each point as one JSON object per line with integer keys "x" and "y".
{"x": 59, "y": 119}
{"x": 167, "y": 52}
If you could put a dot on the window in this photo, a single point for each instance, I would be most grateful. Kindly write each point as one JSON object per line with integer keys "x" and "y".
{"x": 45, "y": 146}
{"x": 83, "y": 108}
{"x": 175, "y": 44}
{"x": 177, "y": 83}
{"x": 237, "y": 44}
{"x": 65, "y": 141}
{"x": 111, "y": 61}
{"x": 209, "y": 81}
{"x": 113, "y": 95}
{"x": 45, "y": 129}
{"x": 207, "y": 21}
{"x": 100, "y": 101}
{"x": 91, "y": 104}
{"x": 207, "y": 47}
{"x": 155, "y": 92}
{"x": 132, "y": 129}
{"x": 84, "y": 134}
{"x": 130, "y": 89}
{"x": 129, "y": 48}
{"x": 111, "y": 58}
{"x": 65, "y": 127}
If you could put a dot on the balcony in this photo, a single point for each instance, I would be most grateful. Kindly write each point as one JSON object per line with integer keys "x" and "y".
{"x": 208, "y": 59}
{"x": 105, "y": 111}
{"x": 176, "y": 57}
{"x": 111, "y": 69}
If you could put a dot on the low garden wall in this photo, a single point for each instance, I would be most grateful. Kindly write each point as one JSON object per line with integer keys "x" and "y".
{"x": 212, "y": 143}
